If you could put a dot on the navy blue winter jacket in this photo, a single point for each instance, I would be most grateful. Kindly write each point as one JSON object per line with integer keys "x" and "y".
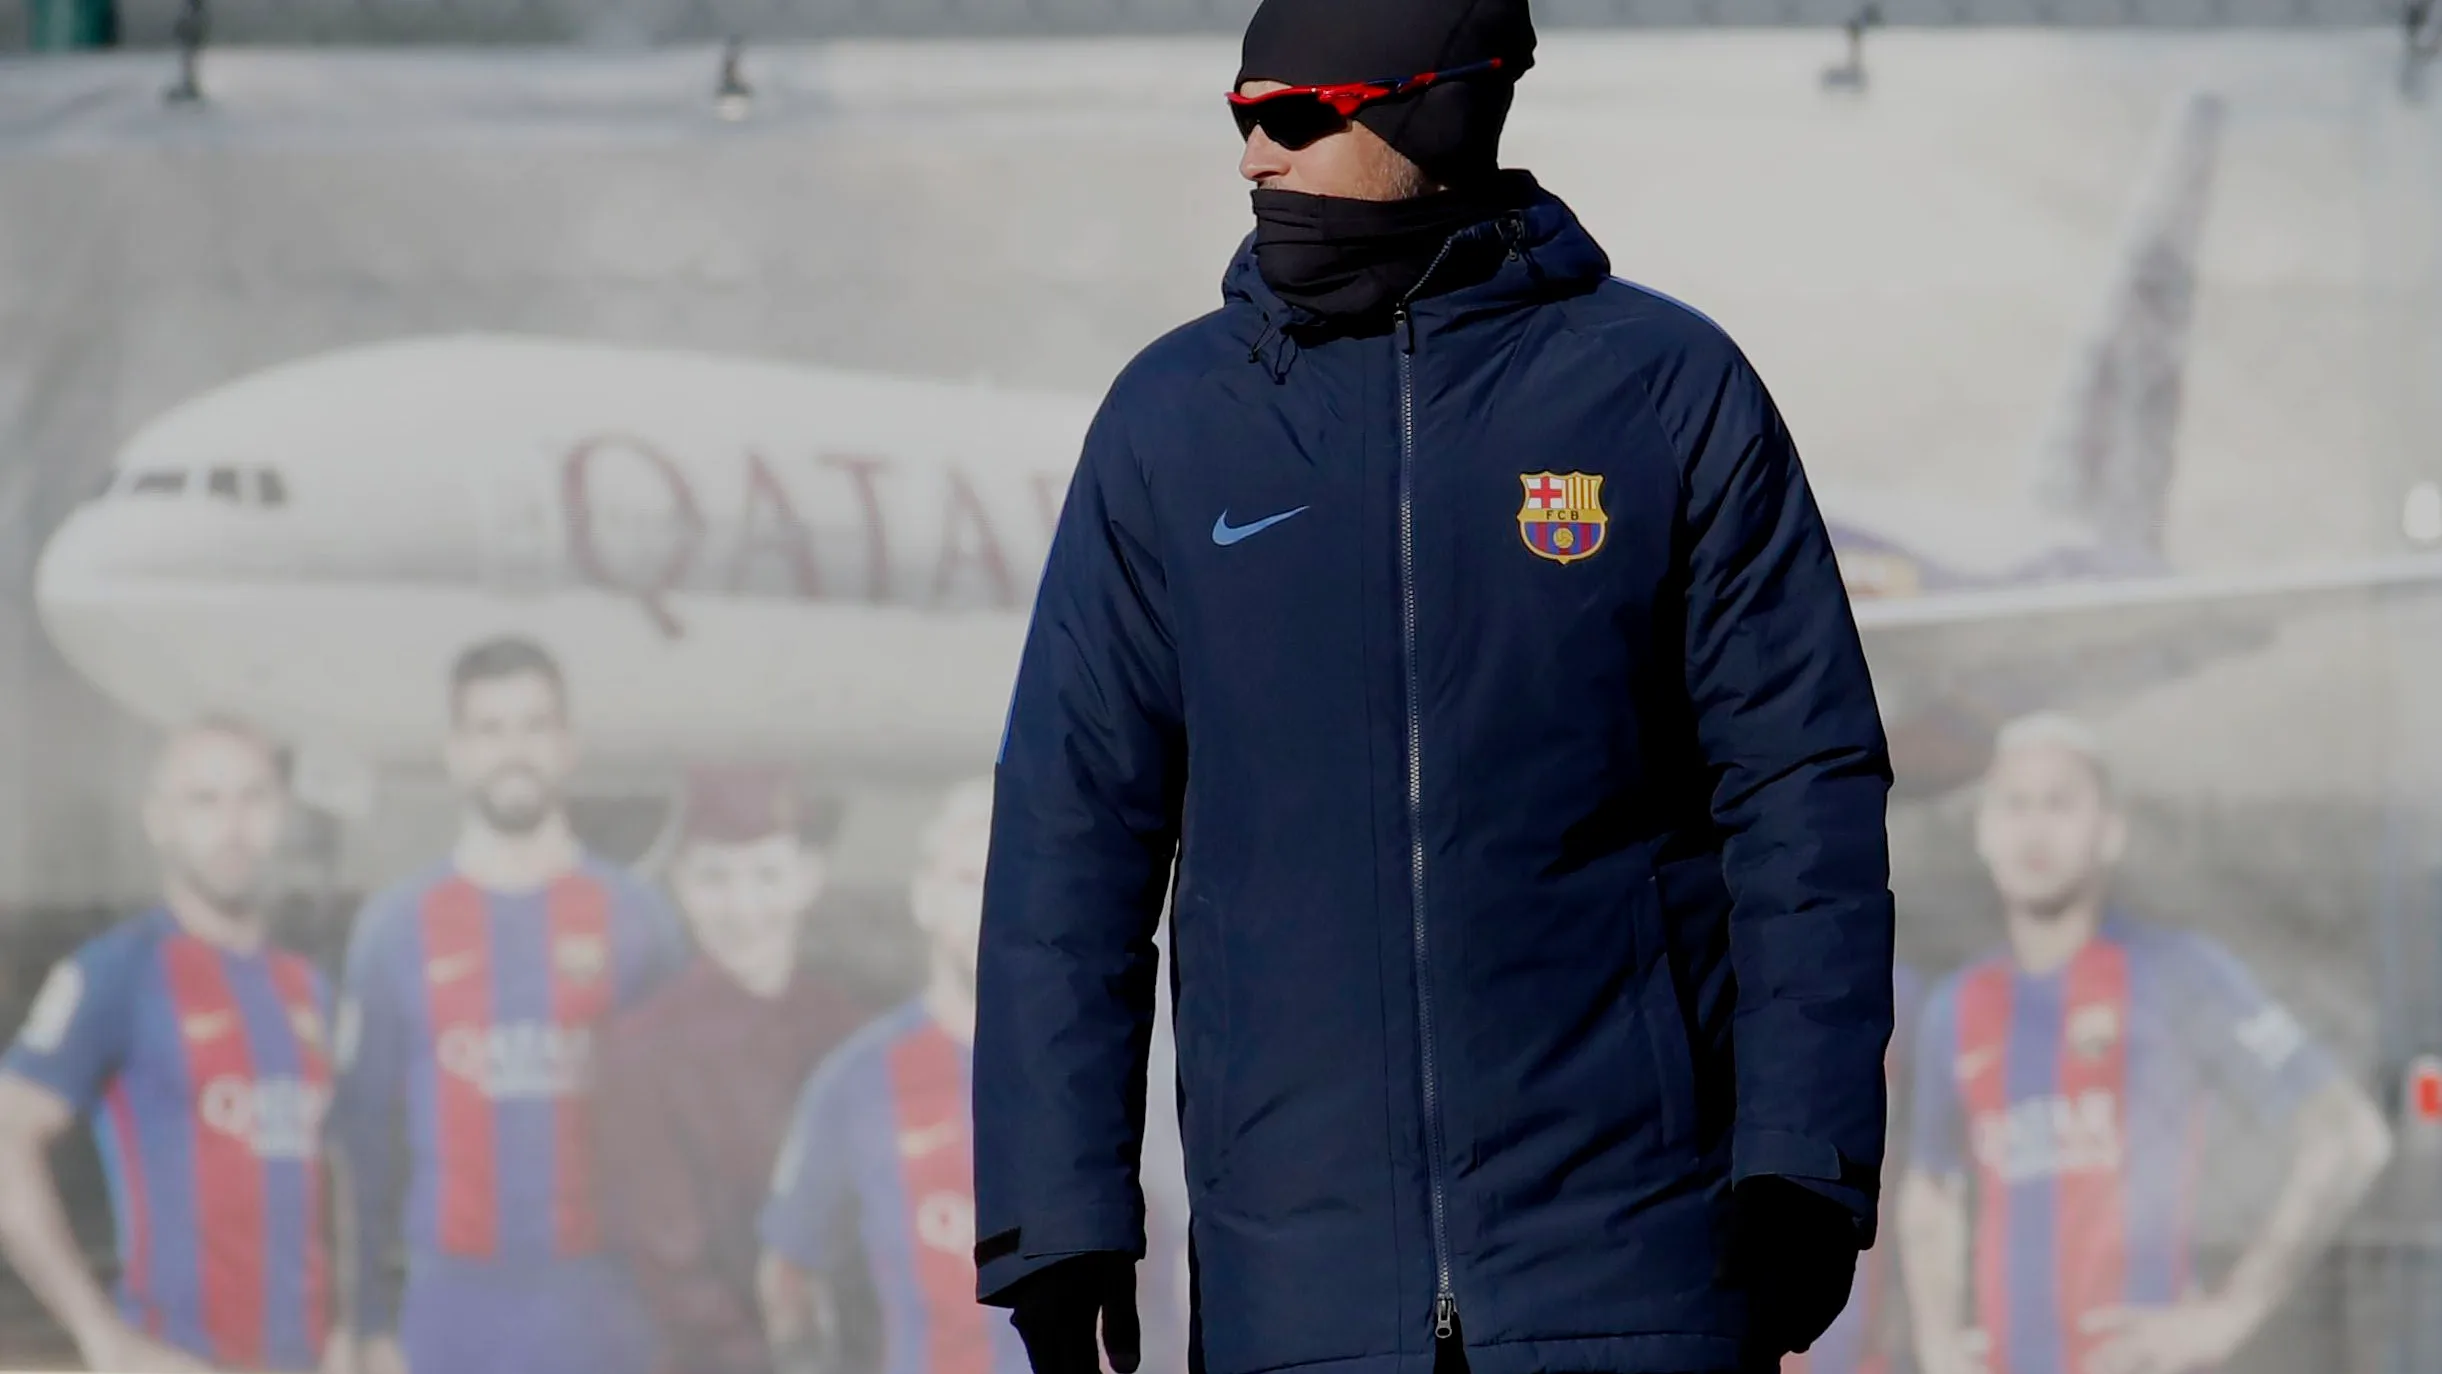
{"x": 1493, "y": 688}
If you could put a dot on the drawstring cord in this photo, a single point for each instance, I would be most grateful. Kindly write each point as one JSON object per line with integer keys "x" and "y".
{"x": 1283, "y": 350}
{"x": 1254, "y": 352}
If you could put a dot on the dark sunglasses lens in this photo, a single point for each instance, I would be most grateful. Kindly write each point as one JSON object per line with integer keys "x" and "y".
{"x": 1292, "y": 121}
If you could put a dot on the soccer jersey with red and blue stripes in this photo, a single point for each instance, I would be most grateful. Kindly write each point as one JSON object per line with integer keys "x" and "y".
{"x": 469, "y": 1016}
{"x": 882, "y": 1139}
{"x": 204, "y": 1073}
{"x": 2075, "y": 1102}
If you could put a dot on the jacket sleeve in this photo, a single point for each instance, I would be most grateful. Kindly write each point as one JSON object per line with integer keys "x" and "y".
{"x": 1799, "y": 773}
{"x": 1085, "y": 822}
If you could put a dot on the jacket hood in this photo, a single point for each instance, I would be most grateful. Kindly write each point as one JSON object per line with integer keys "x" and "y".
{"x": 1554, "y": 256}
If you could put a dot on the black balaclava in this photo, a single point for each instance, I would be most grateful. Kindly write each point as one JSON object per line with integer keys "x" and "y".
{"x": 1342, "y": 257}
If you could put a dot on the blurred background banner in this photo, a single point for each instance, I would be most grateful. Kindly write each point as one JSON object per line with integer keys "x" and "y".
{"x": 748, "y": 381}
{"x": 679, "y": 21}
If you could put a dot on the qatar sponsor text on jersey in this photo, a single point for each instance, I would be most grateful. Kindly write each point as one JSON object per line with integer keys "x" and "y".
{"x": 2075, "y": 1102}
{"x": 205, "y": 1073}
{"x": 882, "y": 1135}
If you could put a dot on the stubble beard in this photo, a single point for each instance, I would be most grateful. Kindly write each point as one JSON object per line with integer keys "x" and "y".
{"x": 2054, "y": 906}
{"x": 519, "y": 817}
{"x": 239, "y": 900}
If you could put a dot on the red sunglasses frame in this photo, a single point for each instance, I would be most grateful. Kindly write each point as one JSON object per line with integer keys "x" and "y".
{"x": 1347, "y": 97}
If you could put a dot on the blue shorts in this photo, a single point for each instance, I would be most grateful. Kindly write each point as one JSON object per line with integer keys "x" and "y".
{"x": 567, "y": 1317}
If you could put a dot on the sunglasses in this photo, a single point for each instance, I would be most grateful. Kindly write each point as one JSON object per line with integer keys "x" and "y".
{"x": 1295, "y": 116}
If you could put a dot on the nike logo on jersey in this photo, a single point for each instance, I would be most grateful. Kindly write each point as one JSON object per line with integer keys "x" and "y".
{"x": 449, "y": 968}
{"x": 923, "y": 1140}
{"x": 582, "y": 958}
{"x": 207, "y": 1025}
{"x": 1226, "y": 534}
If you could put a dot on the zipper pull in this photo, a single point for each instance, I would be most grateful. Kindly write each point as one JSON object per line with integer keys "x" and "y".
{"x": 1445, "y": 1315}
{"x": 1405, "y": 323}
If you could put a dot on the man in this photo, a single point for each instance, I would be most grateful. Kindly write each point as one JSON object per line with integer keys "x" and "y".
{"x": 472, "y": 993}
{"x": 2063, "y": 1116}
{"x": 877, "y": 1169}
{"x": 197, "y": 1049}
{"x": 1457, "y": 618}
{"x": 697, "y": 1081}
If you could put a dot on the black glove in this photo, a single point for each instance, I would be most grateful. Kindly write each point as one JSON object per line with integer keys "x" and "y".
{"x": 1794, "y": 1251}
{"x": 1056, "y": 1309}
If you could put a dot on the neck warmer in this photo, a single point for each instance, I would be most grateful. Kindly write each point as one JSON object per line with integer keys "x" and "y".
{"x": 1354, "y": 259}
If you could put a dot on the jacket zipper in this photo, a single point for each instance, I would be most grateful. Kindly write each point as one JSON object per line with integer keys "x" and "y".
{"x": 1445, "y": 1300}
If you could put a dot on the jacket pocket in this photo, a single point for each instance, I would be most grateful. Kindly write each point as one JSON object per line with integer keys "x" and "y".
{"x": 1201, "y": 1025}
{"x": 1664, "y": 1013}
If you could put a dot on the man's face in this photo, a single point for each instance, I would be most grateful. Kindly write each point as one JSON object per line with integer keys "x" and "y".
{"x": 2045, "y": 829}
{"x": 1354, "y": 162}
{"x": 510, "y": 751}
{"x": 214, "y": 815}
{"x": 948, "y": 892}
{"x": 746, "y": 902}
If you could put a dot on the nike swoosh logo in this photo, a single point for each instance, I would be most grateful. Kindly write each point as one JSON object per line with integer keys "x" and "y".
{"x": 449, "y": 968}
{"x": 1226, "y": 534}
{"x": 923, "y": 1140}
{"x": 207, "y": 1025}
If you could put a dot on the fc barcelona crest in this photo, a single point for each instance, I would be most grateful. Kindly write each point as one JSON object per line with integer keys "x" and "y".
{"x": 1563, "y": 518}
{"x": 2092, "y": 1029}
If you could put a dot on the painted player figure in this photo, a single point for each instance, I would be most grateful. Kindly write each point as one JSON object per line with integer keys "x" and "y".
{"x": 2064, "y": 1088}
{"x": 698, "y": 1082}
{"x": 880, "y": 1151}
{"x": 472, "y": 995}
{"x": 197, "y": 1050}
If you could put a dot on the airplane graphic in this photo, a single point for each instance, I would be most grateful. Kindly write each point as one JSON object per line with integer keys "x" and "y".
{"x": 739, "y": 558}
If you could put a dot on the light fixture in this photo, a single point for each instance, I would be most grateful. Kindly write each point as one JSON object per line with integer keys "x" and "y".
{"x": 733, "y": 100}
{"x": 2421, "y": 513}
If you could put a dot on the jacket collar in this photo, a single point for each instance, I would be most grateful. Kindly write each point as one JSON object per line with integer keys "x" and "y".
{"x": 1552, "y": 256}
